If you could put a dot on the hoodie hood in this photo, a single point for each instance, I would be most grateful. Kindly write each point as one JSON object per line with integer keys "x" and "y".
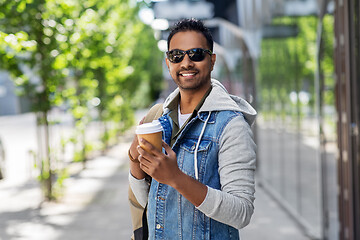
{"x": 219, "y": 99}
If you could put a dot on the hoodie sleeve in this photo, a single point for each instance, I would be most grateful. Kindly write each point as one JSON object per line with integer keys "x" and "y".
{"x": 233, "y": 204}
{"x": 140, "y": 188}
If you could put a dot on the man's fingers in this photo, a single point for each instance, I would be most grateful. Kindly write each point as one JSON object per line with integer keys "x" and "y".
{"x": 149, "y": 147}
{"x": 143, "y": 159}
{"x": 145, "y": 151}
{"x": 168, "y": 149}
{"x": 145, "y": 168}
{"x": 146, "y": 144}
{"x": 140, "y": 150}
{"x": 165, "y": 145}
{"x": 143, "y": 165}
{"x": 142, "y": 121}
{"x": 147, "y": 159}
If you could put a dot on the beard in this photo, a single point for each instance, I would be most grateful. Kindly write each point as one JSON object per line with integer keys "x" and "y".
{"x": 197, "y": 82}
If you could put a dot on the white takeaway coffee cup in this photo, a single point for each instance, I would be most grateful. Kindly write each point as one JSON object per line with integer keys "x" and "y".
{"x": 151, "y": 132}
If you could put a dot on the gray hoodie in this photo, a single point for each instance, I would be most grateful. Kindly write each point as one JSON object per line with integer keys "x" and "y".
{"x": 233, "y": 204}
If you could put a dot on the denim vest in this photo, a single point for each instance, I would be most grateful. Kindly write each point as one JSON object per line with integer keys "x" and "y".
{"x": 170, "y": 215}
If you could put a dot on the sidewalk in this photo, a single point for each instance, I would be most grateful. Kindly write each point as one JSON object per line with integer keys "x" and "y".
{"x": 270, "y": 221}
{"x": 95, "y": 207}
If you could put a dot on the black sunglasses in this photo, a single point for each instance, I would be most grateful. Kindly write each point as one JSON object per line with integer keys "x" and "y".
{"x": 195, "y": 54}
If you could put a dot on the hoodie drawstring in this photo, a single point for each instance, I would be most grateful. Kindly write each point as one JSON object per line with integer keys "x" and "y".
{"x": 197, "y": 147}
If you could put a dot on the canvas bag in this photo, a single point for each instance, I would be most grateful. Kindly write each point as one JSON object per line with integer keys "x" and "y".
{"x": 138, "y": 213}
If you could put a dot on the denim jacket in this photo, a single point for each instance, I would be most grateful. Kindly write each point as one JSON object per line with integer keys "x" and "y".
{"x": 206, "y": 138}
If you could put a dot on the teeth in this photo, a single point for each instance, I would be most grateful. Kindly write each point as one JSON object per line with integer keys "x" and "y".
{"x": 188, "y": 74}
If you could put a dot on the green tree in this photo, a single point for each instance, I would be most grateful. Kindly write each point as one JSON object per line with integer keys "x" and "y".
{"x": 288, "y": 66}
{"x": 82, "y": 54}
{"x": 29, "y": 21}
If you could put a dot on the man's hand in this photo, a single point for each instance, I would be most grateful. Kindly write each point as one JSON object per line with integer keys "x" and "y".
{"x": 162, "y": 167}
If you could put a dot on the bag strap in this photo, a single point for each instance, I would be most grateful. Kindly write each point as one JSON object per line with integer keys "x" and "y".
{"x": 145, "y": 224}
{"x": 154, "y": 113}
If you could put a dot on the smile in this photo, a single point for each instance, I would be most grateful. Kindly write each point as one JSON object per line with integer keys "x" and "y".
{"x": 187, "y": 74}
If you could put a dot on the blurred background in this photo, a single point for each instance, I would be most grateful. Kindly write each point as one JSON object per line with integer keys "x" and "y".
{"x": 77, "y": 75}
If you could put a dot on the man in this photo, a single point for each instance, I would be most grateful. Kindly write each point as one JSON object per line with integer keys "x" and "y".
{"x": 203, "y": 182}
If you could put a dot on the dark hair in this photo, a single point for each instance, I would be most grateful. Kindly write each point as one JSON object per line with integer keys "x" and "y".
{"x": 192, "y": 24}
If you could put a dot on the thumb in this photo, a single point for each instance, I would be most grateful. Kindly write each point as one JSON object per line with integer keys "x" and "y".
{"x": 165, "y": 145}
{"x": 167, "y": 148}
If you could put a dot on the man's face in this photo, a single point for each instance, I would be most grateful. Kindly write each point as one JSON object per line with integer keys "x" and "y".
{"x": 187, "y": 74}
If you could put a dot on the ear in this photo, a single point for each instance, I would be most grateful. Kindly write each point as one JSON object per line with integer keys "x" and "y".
{"x": 213, "y": 60}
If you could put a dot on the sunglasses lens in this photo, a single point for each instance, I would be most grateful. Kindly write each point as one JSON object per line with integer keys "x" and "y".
{"x": 196, "y": 54}
{"x": 176, "y": 56}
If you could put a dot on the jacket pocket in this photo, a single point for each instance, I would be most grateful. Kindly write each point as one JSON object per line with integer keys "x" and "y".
{"x": 187, "y": 152}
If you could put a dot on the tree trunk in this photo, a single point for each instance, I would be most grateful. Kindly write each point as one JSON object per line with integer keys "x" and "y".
{"x": 44, "y": 154}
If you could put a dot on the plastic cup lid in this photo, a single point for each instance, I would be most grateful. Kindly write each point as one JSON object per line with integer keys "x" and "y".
{"x": 146, "y": 128}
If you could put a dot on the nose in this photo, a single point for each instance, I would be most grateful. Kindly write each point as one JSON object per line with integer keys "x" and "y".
{"x": 186, "y": 62}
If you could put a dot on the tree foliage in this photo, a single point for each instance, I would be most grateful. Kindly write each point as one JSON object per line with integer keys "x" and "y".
{"x": 288, "y": 65}
{"x": 87, "y": 55}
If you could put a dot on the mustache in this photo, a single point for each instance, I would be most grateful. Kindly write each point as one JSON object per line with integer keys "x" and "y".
{"x": 187, "y": 69}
